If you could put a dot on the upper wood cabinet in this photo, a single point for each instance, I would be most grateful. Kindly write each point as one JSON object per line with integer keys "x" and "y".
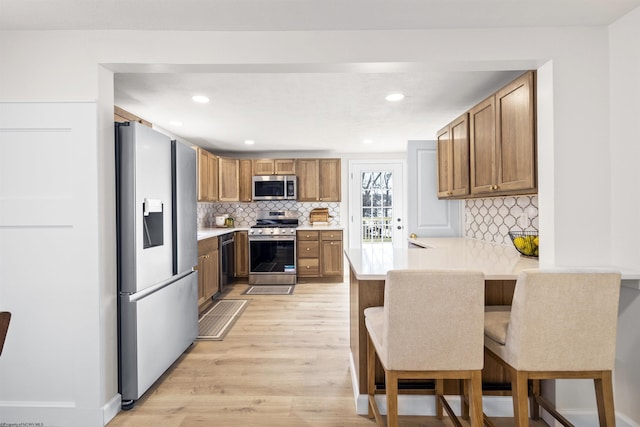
{"x": 274, "y": 167}
{"x": 207, "y": 176}
{"x": 318, "y": 180}
{"x": 246, "y": 172}
{"x": 229, "y": 179}
{"x": 453, "y": 159}
{"x": 503, "y": 141}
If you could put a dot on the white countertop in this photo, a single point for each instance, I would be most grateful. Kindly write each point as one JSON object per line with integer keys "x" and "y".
{"x": 205, "y": 233}
{"x": 496, "y": 261}
{"x": 319, "y": 227}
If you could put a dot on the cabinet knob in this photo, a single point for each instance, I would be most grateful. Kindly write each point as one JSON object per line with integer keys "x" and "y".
{"x": 308, "y": 267}
{"x": 308, "y": 249}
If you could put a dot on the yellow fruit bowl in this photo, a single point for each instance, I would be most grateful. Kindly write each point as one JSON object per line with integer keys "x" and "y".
{"x": 526, "y": 242}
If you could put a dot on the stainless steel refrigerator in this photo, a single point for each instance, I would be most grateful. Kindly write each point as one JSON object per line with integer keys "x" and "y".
{"x": 157, "y": 253}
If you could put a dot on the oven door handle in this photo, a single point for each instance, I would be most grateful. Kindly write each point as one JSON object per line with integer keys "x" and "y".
{"x": 271, "y": 238}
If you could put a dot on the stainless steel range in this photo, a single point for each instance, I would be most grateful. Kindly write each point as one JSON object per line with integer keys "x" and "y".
{"x": 272, "y": 248}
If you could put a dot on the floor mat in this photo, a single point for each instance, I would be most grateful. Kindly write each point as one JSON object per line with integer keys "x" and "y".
{"x": 270, "y": 290}
{"x": 217, "y": 322}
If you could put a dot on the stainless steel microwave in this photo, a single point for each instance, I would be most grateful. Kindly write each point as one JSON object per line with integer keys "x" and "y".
{"x": 274, "y": 187}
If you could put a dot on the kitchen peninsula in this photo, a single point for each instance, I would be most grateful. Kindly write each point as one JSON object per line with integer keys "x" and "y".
{"x": 369, "y": 266}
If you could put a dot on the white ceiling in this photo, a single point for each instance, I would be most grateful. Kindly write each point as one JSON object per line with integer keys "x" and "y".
{"x": 290, "y": 111}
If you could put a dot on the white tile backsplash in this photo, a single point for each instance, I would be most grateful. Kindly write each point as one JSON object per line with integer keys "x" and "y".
{"x": 492, "y": 219}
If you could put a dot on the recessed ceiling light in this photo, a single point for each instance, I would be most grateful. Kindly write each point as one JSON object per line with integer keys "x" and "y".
{"x": 367, "y": 141}
{"x": 395, "y": 97}
{"x": 174, "y": 123}
{"x": 200, "y": 99}
{"x": 249, "y": 142}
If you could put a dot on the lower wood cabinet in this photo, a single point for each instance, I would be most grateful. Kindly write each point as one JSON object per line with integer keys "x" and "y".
{"x": 331, "y": 253}
{"x": 208, "y": 266}
{"x": 319, "y": 254}
{"x": 242, "y": 254}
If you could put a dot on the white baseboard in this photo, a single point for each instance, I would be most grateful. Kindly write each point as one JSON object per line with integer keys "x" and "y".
{"x": 111, "y": 408}
{"x": 49, "y": 414}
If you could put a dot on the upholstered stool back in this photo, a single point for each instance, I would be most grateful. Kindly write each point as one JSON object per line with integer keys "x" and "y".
{"x": 433, "y": 320}
{"x": 563, "y": 321}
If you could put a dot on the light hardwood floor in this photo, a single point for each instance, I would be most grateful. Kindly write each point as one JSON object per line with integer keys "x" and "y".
{"x": 284, "y": 363}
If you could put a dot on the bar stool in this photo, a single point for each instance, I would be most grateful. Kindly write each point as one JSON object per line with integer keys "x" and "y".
{"x": 562, "y": 325}
{"x": 430, "y": 327}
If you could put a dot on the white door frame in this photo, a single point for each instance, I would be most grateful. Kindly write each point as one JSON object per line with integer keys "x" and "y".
{"x": 398, "y": 166}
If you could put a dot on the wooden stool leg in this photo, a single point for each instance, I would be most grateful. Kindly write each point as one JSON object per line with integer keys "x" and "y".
{"x": 439, "y": 393}
{"x": 392, "y": 398}
{"x": 371, "y": 374}
{"x": 465, "y": 399}
{"x": 604, "y": 397}
{"x": 520, "y": 395}
{"x": 535, "y": 408}
{"x": 475, "y": 398}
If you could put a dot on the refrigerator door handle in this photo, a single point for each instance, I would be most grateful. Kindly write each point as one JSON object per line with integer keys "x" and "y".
{"x": 155, "y": 288}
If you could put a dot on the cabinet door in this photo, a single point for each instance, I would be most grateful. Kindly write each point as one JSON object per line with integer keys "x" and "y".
{"x": 201, "y": 279}
{"x": 242, "y": 253}
{"x": 203, "y": 175}
{"x": 515, "y": 134}
{"x": 331, "y": 258}
{"x": 459, "y": 156}
{"x": 229, "y": 176}
{"x": 211, "y": 266}
{"x": 213, "y": 178}
{"x": 442, "y": 149}
{"x": 245, "y": 180}
{"x": 329, "y": 180}
{"x": 483, "y": 146}
{"x": 263, "y": 167}
{"x": 307, "y": 180}
{"x": 284, "y": 166}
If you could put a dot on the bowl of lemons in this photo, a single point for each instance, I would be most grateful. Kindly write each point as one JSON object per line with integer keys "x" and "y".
{"x": 526, "y": 242}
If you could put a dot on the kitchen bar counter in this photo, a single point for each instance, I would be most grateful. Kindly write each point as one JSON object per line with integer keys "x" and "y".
{"x": 496, "y": 261}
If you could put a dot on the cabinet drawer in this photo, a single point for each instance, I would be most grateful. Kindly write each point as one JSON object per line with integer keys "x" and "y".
{"x": 207, "y": 245}
{"x": 308, "y": 267}
{"x": 308, "y": 235}
{"x": 331, "y": 235}
{"x": 308, "y": 249}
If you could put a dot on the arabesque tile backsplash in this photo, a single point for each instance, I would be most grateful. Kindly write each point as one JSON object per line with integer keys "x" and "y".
{"x": 492, "y": 219}
{"x": 485, "y": 219}
{"x": 244, "y": 214}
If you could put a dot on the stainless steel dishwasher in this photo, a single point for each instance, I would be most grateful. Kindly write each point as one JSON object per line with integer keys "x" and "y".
{"x": 226, "y": 250}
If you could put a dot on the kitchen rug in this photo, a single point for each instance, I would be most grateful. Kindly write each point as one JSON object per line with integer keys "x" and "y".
{"x": 217, "y": 322}
{"x": 269, "y": 290}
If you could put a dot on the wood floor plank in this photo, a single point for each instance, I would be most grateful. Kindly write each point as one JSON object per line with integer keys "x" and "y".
{"x": 284, "y": 363}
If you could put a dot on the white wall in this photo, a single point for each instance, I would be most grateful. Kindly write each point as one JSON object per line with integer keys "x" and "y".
{"x": 624, "y": 40}
{"x": 64, "y": 65}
